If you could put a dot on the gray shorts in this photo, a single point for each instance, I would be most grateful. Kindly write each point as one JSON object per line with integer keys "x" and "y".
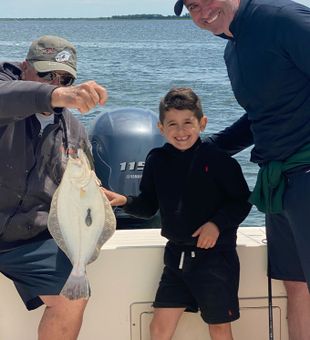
{"x": 38, "y": 268}
{"x": 288, "y": 233}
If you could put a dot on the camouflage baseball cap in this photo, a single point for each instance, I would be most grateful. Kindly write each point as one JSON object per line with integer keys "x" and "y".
{"x": 52, "y": 53}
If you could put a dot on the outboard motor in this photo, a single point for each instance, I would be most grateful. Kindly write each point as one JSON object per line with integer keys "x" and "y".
{"x": 121, "y": 140}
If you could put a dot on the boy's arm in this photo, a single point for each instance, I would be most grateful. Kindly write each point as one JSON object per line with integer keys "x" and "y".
{"x": 144, "y": 205}
{"x": 115, "y": 199}
{"x": 236, "y": 207}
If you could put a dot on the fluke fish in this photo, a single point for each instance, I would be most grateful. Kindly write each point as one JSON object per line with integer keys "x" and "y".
{"x": 80, "y": 220}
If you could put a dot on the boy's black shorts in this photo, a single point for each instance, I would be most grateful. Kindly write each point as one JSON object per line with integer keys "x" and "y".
{"x": 208, "y": 281}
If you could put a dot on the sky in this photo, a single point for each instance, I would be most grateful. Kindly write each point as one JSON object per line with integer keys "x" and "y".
{"x": 87, "y": 8}
{"x": 83, "y": 8}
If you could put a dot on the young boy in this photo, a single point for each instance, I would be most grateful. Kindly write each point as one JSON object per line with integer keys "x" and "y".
{"x": 202, "y": 197}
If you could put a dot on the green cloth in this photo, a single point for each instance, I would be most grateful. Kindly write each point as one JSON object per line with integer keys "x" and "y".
{"x": 270, "y": 185}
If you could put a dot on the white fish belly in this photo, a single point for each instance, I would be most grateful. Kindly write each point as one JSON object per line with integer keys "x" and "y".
{"x": 81, "y": 216}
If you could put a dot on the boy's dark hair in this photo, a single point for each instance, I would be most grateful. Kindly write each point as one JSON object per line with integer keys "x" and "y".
{"x": 180, "y": 98}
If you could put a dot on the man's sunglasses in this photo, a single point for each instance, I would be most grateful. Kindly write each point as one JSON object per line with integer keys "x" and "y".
{"x": 64, "y": 79}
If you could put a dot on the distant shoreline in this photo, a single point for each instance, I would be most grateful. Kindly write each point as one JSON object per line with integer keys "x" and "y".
{"x": 114, "y": 17}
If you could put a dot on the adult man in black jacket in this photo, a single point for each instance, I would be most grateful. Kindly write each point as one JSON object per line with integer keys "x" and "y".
{"x": 36, "y": 132}
{"x": 268, "y": 63}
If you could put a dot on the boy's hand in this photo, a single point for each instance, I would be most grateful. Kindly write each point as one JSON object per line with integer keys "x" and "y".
{"x": 114, "y": 198}
{"x": 207, "y": 235}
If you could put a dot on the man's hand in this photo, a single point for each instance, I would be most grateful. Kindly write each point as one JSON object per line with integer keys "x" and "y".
{"x": 207, "y": 235}
{"x": 82, "y": 97}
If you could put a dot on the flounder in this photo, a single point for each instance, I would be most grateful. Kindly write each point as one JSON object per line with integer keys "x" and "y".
{"x": 80, "y": 220}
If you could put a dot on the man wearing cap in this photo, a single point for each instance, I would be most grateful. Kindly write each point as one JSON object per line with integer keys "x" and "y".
{"x": 268, "y": 62}
{"x": 36, "y": 133}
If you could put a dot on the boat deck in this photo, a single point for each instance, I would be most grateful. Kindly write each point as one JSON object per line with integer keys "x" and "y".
{"x": 124, "y": 280}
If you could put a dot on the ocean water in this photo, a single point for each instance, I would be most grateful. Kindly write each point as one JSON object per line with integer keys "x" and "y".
{"x": 138, "y": 61}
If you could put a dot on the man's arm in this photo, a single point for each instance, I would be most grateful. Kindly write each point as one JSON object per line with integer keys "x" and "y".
{"x": 82, "y": 97}
{"x": 234, "y": 138}
{"x": 20, "y": 99}
{"x": 236, "y": 207}
{"x": 293, "y": 32}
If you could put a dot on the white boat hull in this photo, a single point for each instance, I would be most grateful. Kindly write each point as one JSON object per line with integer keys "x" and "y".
{"x": 124, "y": 280}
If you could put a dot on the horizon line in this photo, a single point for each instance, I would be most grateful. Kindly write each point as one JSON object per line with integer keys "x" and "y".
{"x": 109, "y": 17}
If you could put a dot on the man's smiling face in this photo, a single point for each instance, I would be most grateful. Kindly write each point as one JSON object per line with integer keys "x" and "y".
{"x": 213, "y": 15}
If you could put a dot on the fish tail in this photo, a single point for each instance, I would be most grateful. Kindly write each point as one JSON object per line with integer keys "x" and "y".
{"x": 76, "y": 287}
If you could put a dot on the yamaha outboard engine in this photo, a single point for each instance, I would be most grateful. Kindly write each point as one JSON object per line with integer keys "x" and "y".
{"x": 121, "y": 140}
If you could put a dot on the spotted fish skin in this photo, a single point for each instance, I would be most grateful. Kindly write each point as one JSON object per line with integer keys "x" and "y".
{"x": 80, "y": 220}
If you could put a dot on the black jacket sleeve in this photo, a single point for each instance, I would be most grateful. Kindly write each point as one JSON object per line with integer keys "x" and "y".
{"x": 144, "y": 205}
{"x": 231, "y": 182}
{"x": 234, "y": 138}
{"x": 293, "y": 31}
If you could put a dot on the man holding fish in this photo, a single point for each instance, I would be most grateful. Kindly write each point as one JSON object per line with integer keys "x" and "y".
{"x": 36, "y": 134}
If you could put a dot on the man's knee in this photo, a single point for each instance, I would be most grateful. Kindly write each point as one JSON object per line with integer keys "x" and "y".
{"x": 296, "y": 288}
{"x": 61, "y": 303}
{"x": 160, "y": 330}
{"x": 220, "y": 330}
{"x": 62, "y": 318}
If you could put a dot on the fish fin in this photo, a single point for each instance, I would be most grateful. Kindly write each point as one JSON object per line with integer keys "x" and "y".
{"x": 86, "y": 150}
{"x": 76, "y": 287}
{"x": 108, "y": 230}
{"x": 95, "y": 253}
{"x": 54, "y": 227}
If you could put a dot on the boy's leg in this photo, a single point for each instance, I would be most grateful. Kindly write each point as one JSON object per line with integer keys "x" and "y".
{"x": 172, "y": 296}
{"x": 62, "y": 318}
{"x": 164, "y": 322}
{"x": 221, "y": 331}
{"x": 214, "y": 282}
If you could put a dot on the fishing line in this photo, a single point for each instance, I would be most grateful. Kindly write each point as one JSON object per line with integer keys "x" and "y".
{"x": 270, "y": 311}
{"x": 269, "y": 283}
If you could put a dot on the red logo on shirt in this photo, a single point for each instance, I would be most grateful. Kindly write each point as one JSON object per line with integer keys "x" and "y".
{"x": 206, "y": 168}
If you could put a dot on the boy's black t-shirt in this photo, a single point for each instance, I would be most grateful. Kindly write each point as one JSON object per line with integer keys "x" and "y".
{"x": 191, "y": 188}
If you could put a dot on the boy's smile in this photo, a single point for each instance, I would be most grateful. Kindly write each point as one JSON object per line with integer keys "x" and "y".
{"x": 181, "y": 128}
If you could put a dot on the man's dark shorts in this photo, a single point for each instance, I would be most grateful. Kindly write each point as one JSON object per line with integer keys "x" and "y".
{"x": 208, "y": 281}
{"x": 38, "y": 268}
{"x": 288, "y": 233}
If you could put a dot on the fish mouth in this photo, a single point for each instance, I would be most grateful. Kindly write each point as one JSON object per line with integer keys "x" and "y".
{"x": 76, "y": 153}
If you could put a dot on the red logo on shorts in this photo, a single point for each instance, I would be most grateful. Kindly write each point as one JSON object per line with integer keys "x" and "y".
{"x": 206, "y": 168}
